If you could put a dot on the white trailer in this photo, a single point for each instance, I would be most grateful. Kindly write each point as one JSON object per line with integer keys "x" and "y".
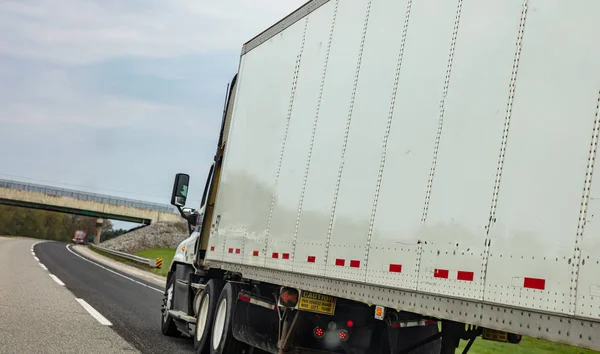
{"x": 399, "y": 162}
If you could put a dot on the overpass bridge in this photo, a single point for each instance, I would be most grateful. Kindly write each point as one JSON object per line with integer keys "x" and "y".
{"x": 83, "y": 203}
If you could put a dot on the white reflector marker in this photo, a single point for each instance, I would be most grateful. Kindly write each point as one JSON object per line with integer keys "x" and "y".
{"x": 92, "y": 311}
{"x": 43, "y": 267}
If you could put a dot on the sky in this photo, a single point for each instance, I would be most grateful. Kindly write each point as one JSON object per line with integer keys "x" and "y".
{"x": 117, "y": 96}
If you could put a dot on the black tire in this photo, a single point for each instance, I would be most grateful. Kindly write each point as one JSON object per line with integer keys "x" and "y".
{"x": 514, "y": 338}
{"x": 211, "y": 293}
{"x": 224, "y": 342}
{"x": 167, "y": 323}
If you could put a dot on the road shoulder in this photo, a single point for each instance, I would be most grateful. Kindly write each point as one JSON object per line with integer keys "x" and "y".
{"x": 124, "y": 268}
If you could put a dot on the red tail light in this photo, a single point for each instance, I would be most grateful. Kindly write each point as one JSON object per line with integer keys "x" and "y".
{"x": 343, "y": 335}
{"x": 319, "y": 332}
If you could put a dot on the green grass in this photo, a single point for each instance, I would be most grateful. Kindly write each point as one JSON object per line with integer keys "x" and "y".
{"x": 527, "y": 346}
{"x": 165, "y": 253}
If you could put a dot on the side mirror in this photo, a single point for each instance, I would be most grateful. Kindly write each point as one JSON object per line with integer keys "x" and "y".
{"x": 180, "y": 189}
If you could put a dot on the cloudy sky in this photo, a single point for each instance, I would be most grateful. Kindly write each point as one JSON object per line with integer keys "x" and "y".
{"x": 116, "y": 96}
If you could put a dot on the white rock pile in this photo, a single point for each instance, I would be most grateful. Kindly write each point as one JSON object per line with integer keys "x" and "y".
{"x": 158, "y": 235}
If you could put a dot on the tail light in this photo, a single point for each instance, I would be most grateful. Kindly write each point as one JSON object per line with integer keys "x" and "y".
{"x": 319, "y": 332}
{"x": 343, "y": 335}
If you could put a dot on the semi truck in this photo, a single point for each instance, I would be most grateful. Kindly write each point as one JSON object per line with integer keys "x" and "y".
{"x": 395, "y": 176}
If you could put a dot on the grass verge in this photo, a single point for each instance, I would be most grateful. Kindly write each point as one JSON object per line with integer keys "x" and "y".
{"x": 165, "y": 253}
{"x": 527, "y": 346}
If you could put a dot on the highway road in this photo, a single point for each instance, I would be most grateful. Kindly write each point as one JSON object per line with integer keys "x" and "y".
{"x": 75, "y": 305}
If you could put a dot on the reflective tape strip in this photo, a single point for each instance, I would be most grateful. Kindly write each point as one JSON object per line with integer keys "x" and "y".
{"x": 255, "y": 301}
{"x": 396, "y": 268}
{"x": 440, "y": 273}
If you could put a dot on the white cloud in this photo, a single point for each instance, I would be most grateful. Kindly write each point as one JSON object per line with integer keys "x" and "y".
{"x": 84, "y": 31}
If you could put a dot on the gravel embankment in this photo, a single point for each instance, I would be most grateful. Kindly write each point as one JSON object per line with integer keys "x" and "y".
{"x": 159, "y": 235}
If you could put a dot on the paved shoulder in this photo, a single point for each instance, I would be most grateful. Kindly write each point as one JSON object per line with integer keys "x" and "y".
{"x": 39, "y": 315}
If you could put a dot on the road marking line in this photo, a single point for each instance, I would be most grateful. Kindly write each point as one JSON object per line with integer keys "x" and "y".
{"x": 43, "y": 267}
{"x": 37, "y": 259}
{"x": 56, "y": 280}
{"x": 92, "y": 311}
{"x": 33, "y": 253}
{"x": 112, "y": 271}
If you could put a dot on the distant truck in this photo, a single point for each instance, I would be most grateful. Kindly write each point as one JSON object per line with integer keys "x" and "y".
{"x": 386, "y": 167}
{"x": 80, "y": 237}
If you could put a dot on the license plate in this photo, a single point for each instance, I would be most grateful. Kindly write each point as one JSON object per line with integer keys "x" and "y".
{"x": 315, "y": 302}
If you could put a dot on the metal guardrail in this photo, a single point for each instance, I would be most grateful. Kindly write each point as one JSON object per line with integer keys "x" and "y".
{"x": 75, "y": 194}
{"x": 154, "y": 263}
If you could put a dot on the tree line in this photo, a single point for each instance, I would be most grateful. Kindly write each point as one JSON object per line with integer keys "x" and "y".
{"x": 49, "y": 225}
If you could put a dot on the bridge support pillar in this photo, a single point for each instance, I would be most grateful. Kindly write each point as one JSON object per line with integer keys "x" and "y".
{"x": 98, "y": 233}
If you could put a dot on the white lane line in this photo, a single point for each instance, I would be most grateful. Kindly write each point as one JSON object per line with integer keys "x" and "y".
{"x": 43, "y": 267}
{"x": 33, "y": 253}
{"x": 56, "y": 280}
{"x": 92, "y": 311}
{"x": 37, "y": 259}
{"x": 112, "y": 271}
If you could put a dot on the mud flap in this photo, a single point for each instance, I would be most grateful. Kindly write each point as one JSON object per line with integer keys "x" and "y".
{"x": 256, "y": 325}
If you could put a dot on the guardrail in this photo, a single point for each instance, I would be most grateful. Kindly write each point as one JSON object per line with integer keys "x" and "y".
{"x": 154, "y": 263}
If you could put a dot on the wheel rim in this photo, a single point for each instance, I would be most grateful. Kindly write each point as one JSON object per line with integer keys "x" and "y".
{"x": 202, "y": 316}
{"x": 219, "y": 324}
{"x": 168, "y": 300}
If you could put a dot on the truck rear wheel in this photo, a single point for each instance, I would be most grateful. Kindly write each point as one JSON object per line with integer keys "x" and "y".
{"x": 223, "y": 341}
{"x": 206, "y": 313}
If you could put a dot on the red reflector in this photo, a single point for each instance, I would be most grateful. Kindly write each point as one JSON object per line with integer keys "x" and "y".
{"x": 244, "y": 298}
{"x": 311, "y": 259}
{"x": 230, "y": 250}
{"x": 212, "y": 248}
{"x": 319, "y": 332}
{"x": 275, "y": 255}
{"x": 350, "y": 323}
{"x": 396, "y": 268}
{"x": 430, "y": 322}
{"x": 466, "y": 276}
{"x": 285, "y": 256}
{"x": 355, "y": 264}
{"x": 255, "y": 254}
{"x": 535, "y": 283}
{"x": 237, "y": 251}
{"x": 440, "y": 273}
{"x": 340, "y": 262}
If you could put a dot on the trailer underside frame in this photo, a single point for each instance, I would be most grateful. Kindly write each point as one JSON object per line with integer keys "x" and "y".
{"x": 580, "y": 332}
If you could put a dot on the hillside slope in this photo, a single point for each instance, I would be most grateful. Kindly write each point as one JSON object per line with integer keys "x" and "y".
{"x": 158, "y": 235}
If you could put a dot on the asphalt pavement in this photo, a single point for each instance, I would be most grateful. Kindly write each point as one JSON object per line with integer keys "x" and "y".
{"x": 131, "y": 305}
{"x": 38, "y": 314}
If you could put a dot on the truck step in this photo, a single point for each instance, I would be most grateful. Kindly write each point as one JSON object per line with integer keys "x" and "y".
{"x": 182, "y": 316}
